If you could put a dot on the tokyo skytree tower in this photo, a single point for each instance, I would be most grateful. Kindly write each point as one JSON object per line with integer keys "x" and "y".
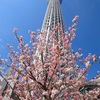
{"x": 52, "y": 17}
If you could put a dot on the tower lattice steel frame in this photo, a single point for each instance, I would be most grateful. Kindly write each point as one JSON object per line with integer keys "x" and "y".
{"x": 53, "y": 16}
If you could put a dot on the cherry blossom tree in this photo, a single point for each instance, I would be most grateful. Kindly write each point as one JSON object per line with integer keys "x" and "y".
{"x": 50, "y": 70}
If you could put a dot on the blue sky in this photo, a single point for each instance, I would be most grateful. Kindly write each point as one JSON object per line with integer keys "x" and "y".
{"x": 29, "y": 15}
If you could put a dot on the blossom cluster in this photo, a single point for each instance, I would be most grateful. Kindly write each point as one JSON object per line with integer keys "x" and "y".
{"x": 48, "y": 69}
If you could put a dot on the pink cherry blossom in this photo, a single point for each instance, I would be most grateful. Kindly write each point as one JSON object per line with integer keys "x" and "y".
{"x": 28, "y": 69}
{"x": 1, "y": 97}
{"x": 49, "y": 70}
{"x": 45, "y": 93}
{"x": 75, "y": 18}
{"x": 15, "y": 30}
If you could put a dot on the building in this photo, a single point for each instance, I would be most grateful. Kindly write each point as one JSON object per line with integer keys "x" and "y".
{"x": 52, "y": 17}
{"x": 4, "y": 83}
